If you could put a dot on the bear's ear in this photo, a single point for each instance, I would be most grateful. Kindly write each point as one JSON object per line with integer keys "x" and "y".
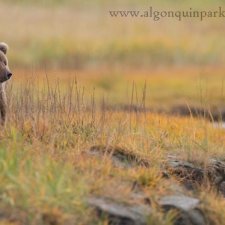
{"x": 3, "y": 47}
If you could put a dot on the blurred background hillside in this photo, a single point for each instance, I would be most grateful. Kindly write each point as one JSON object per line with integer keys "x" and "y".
{"x": 179, "y": 62}
{"x": 81, "y": 34}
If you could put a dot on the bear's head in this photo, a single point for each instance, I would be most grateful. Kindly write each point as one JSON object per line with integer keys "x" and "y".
{"x": 5, "y": 72}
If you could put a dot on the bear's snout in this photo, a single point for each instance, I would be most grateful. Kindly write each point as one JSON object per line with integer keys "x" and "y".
{"x": 8, "y": 76}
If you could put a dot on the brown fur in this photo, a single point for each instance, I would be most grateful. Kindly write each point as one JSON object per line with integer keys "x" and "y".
{"x": 5, "y": 75}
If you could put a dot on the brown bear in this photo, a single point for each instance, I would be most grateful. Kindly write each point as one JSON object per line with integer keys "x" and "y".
{"x": 5, "y": 75}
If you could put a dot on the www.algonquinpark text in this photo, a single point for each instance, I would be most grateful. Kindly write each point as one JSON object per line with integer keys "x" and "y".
{"x": 179, "y": 15}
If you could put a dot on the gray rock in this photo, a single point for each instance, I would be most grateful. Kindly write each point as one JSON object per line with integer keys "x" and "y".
{"x": 222, "y": 188}
{"x": 181, "y": 202}
{"x": 197, "y": 217}
{"x": 189, "y": 214}
{"x": 190, "y": 175}
{"x": 119, "y": 214}
{"x": 120, "y": 157}
{"x": 122, "y": 214}
{"x": 216, "y": 171}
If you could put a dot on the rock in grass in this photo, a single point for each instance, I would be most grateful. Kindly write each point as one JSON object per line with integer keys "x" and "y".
{"x": 188, "y": 211}
{"x": 120, "y": 157}
{"x": 119, "y": 214}
{"x": 180, "y": 202}
{"x": 191, "y": 175}
{"x": 222, "y": 188}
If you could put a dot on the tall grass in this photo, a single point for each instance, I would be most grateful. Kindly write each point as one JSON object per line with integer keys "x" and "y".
{"x": 46, "y": 171}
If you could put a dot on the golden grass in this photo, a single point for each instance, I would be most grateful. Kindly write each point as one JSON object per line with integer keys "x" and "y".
{"x": 193, "y": 86}
{"x": 47, "y": 172}
{"x": 56, "y": 115}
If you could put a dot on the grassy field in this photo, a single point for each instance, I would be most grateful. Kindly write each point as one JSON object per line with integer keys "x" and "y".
{"x": 155, "y": 88}
{"x": 71, "y": 64}
{"x": 46, "y": 172}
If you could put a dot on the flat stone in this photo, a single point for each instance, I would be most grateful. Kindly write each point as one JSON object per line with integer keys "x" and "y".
{"x": 181, "y": 202}
{"x": 120, "y": 214}
{"x": 188, "y": 208}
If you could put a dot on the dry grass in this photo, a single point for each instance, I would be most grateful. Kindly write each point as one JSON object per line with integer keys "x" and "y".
{"x": 56, "y": 115}
{"x": 46, "y": 170}
{"x": 199, "y": 87}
